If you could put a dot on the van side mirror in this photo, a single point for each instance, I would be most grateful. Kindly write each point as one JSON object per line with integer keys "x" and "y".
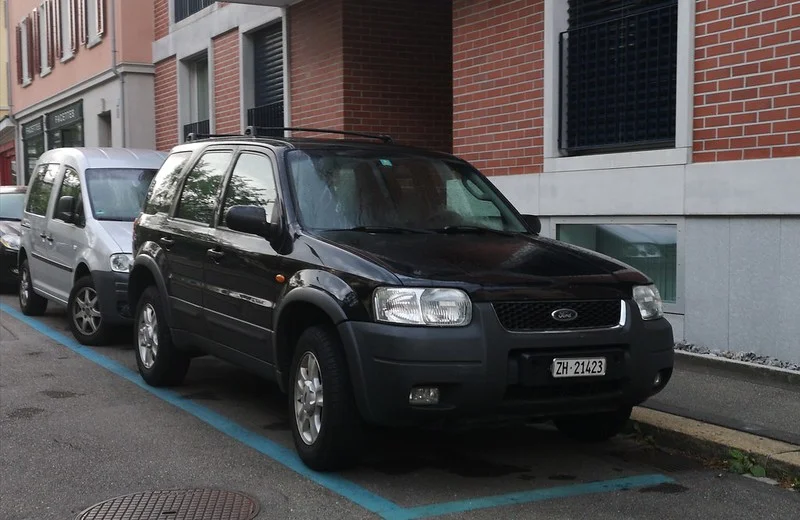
{"x": 65, "y": 209}
{"x": 249, "y": 219}
{"x": 533, "y": 222}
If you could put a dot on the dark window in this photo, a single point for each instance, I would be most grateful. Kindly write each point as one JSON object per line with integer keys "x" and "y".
{"x": 267, "y": 78}
{"x": 165, "y": 185}
{"x": 201, "y": 189}
{"x": 71, "y": 187}
{"x": 252, "y": 184}
{"x": 186, "y": 8}
{"x": 618, "y": 75}
{"x": 118, "y": 193}
{"x": 41, "y": 189}
{"x": 65, "y": 127}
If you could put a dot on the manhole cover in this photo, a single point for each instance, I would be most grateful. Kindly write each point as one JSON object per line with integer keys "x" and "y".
{"x": 182, "y": 504}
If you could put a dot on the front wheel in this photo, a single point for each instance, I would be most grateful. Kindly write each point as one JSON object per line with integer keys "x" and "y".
{"x": 159, "y": 362}
{"x": 326, "y": 426}
{"x": 594, "y": 427}
{"x": 83, "y": 311}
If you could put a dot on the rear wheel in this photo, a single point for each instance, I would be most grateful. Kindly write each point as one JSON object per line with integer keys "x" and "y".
{"x": 159, "y": 362}
{"x": 83, "y": 311}
{"x": 594, "y": 427}
{"x": 326, "y": 426}
{"x": 31, "y": 303}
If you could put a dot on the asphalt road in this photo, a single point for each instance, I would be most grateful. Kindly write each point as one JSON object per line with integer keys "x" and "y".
{"x": 77, "y": 426}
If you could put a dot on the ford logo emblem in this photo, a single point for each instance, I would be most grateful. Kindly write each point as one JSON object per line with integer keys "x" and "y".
{"x": 564, "y": 315}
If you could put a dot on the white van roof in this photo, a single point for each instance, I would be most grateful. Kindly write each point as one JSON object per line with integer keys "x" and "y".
{"x": 89, "y": 157}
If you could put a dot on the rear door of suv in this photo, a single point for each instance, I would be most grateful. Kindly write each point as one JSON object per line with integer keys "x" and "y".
{"x": 240, "y": 288}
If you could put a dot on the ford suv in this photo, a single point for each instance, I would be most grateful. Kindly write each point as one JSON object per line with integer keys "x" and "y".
{"x": 380, "y": 284}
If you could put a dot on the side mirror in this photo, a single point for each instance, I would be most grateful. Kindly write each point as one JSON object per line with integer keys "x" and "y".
{"x": 65, "y": 209}
{"x": 533, "y": 222}
{"x": 248, "y": 219}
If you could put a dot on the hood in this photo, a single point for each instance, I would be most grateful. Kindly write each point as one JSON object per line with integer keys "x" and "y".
{"x": 120, "y": 232}
{"x": 9, "y": 227}
{"x": 487, "y": 260}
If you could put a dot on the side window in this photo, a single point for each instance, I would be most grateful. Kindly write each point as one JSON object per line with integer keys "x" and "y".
{"x": 199, "y": 195}
{"x": 165, "y": 184}
{"x": 252, "y": 184}
{"x": 71, "y": 187}
{"x": 42, "y": 186}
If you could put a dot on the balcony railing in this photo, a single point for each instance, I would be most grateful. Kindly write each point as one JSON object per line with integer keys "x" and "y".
{"x": 267, "y": 116}
{"x": 199, "y": 127}
{"x": 618, "y": 82}
{"x": 186, "y": 8}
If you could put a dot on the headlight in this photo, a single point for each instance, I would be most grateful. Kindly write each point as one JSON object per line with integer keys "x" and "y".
{"x": 10, "y": 242}
{"x": 121, "y": 262}
{"x": 434, "y": 307}
{"x": 648, "y": 299}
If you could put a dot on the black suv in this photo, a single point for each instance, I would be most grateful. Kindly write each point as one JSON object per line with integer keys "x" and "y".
{"x": 399, "y": 280}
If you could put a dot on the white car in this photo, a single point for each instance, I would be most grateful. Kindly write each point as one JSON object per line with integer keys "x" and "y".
{"x": 75, "y": 245}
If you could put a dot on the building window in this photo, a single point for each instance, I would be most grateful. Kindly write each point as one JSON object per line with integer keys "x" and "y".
{"x": 32, "y": 144}
{"x": 65, "y": 127}
{"x": 44, "y": 27}
{"x": 23, "y": 52}
{"x": 199, "y": 98}
{"x": 618, "y": 62}
{"x": 65, "y": 14}
{"x": 650, "y": 248}
{"x": 186, "y": 8}
{"x": 267, "y": 79}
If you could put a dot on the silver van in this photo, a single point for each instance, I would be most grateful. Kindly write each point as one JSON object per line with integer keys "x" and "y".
{"x": 75, "y": 245}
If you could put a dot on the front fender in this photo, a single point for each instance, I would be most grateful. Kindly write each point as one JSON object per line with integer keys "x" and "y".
{"x": 341, "y": 302}
{"x": 143, "y": 266}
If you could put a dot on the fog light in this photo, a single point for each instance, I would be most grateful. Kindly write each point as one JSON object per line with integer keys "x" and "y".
{"x": 424, "y": 395}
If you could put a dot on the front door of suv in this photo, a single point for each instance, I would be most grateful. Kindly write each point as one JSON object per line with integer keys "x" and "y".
{"x": 240, "y": 288}
{"x": 189, "y": 234}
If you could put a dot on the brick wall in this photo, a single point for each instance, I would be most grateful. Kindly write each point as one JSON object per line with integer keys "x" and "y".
{"x": 166, "y": 104}
{"x": 161, "y": 8}
{"x": 398, "y": 70}
{"x": 747, "y": 79}
{"x": 227, "y": 96}
{"x": 498, "y": 84}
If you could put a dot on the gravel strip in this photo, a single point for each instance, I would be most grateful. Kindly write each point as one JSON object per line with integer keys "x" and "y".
{"x": 748, "y": 357}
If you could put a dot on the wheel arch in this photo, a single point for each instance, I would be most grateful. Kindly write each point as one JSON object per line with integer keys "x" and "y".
{"x": 145, "y": 273}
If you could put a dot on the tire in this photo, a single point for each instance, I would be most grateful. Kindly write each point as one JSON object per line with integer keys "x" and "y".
{"x": 165, "y": 365}
{"x": 30, "y": 303}
{"x": 595, "y": 427}
{"x": 83, "y": 312}
{"x": 338, "y": 438}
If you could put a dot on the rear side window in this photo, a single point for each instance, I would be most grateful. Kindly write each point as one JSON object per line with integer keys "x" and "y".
{"x": 42, "y": 186}
{"x": 201, "y": 189}
{"x": 165, "y": 185}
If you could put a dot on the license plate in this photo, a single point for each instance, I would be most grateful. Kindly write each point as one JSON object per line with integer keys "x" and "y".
{"x": 578, "y": 367}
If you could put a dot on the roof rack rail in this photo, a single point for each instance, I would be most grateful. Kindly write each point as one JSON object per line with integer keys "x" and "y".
{"x": 253, "y": 131}
{"x": 193, "y": 136}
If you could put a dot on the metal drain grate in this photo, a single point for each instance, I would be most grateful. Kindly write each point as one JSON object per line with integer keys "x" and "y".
{"x": 181, "y": 504}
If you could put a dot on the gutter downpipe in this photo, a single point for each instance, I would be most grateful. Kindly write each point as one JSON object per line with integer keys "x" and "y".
{"x": 117, "y": 73}
{"x": 17, "y": 136}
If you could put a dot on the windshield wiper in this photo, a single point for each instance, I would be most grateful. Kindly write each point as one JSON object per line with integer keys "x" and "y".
{"x": 474, "y": 229}
{"x": 385, "y": 229}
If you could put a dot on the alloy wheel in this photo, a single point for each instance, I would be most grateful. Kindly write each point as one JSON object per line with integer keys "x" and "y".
{"x": 308, "y": 399}
{"x": 148, "y": 336}
{"x": 86, "y": 311}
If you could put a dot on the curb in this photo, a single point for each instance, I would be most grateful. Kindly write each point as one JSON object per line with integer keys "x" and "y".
{"x": 752, "y": 371}
{"x": 780, "y": 459}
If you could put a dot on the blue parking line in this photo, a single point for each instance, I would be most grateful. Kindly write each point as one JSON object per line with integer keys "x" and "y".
{"x": 357, "y": 494}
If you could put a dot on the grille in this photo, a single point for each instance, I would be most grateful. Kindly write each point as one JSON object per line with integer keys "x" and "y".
{"x": 536, "y": 316}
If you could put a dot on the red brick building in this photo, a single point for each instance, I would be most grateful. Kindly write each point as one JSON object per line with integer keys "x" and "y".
{"x": 663, "y": 132}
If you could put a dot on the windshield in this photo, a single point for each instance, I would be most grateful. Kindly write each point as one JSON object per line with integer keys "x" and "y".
{"x": 361, "y": 189}
{"x": 11, "y": 206}
{"x": 119, "y": 193}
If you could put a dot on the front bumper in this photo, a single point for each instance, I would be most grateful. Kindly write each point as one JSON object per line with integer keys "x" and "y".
{"x": 112, "y": 288}
{"x": 485, "y": 372}
{"x": 9, "y": 270}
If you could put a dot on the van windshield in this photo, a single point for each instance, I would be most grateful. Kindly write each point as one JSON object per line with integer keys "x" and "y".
{"x": 358, "y": 189}
{"x": 118, "y": 193}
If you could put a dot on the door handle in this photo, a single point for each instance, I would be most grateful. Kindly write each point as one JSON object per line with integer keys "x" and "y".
{"x": 214, "y": 254}
{"x": 46, "y": 237}
{"x": 167, "y": 242}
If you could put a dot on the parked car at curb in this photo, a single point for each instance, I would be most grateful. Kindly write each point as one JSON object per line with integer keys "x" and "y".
{"x": 75, "y": 247}
{"x": 384, "y": 285}
{"x": 11, "y": 204}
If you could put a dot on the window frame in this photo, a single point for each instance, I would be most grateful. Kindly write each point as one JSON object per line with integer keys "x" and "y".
{"x": 679, "y": 306}
{"x": 218, "y": 222}
{"x": 175, "y": 206}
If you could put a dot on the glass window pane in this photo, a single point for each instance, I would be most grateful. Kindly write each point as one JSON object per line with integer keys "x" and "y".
{"x": 201, "y": 75}
{"x": 41, "y": 188}
{"x": 118, "y": 193}
{"x": 70, "y": 187}
{"x": 252, "y": 184}
{"x": 199, "y": 196}
{"x": 165, "y": 185}
{"x": 650, "y": 248}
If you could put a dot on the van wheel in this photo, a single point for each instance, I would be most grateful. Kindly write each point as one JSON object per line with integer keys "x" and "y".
{"x": 159, "y": 362}
{"x": 31, "y": 303}
{"x": 83, "y": 312}
{"x": 326, "y": 432}
{"x": 594, "y": 427}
